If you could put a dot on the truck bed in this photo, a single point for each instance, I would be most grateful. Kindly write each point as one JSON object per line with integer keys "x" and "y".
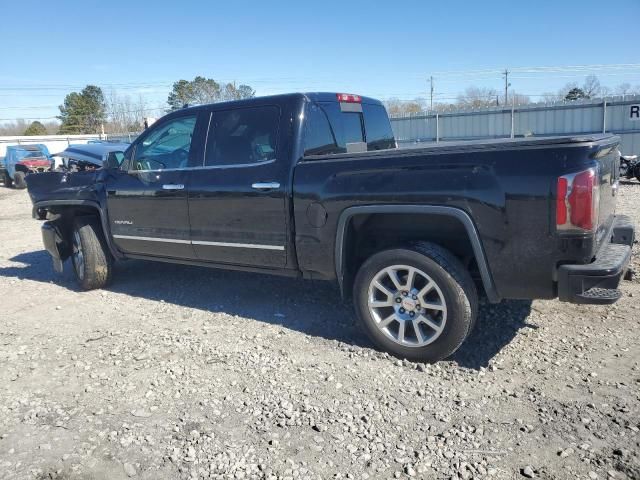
{"x": 482, "y": 145}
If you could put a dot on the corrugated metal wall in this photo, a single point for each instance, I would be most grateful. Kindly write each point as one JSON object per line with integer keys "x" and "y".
{"x": 611, "y": 115}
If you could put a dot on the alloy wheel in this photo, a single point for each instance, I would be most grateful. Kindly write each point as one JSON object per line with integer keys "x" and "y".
{"x": 407, "y": 305}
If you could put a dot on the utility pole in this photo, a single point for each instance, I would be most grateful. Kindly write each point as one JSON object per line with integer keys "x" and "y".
{"x": 506, "y": 86}
{"x": 431, "y": 92}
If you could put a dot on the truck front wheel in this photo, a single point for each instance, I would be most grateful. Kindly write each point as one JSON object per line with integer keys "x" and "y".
{"x": 19, "y": 181}
{"x": 417, "y": 303}
{"x": 90, "y": 256}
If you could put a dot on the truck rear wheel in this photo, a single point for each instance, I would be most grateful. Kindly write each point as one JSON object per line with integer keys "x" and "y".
{"x": 90, "y": 256}
{"x": 19, "y": 181}
{"x": 417, "y": 303}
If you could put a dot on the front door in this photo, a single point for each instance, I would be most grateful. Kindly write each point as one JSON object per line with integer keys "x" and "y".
{"x": 237, "y": 200}
{"x": 147, "y": 198}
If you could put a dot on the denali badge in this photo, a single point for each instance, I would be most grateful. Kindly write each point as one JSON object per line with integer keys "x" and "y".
{"x": 123, "y": 222}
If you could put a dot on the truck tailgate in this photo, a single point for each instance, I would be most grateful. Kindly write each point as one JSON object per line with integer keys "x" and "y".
{"x": 608, "y": 157}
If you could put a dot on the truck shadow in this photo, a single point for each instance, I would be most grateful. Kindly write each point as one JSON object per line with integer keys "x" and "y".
{"x": 311, "y": 307}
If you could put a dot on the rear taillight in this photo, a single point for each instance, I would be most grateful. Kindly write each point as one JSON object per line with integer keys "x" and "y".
{"x": 577, "y": 201}
{"x": 348, "y": 98}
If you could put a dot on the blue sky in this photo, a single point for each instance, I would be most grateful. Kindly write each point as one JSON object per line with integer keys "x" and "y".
{"x": 380, "y": 49}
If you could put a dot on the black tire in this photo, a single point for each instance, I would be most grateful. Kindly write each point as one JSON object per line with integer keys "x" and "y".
{"x": 455, "y": 285}
{"x": 7, "y": 180}
{"x": 19, "y": 180}
{"x": 95, "y": 268}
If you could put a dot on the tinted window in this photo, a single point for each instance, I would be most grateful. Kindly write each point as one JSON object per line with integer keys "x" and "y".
{"x": 243, "y": 136}
{"x": 347, "y": 126}
{"x": 328, "y": 129}
{"x": 166, "y": 146}
{"x": 377, "y": 127}
{"x": 318, "y": 137}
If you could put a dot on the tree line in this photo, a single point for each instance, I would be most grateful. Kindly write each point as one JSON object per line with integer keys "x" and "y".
{"x": 91, "y": 111}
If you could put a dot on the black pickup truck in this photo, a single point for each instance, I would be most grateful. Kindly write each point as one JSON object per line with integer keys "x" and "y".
{"x": 314, "y": 186}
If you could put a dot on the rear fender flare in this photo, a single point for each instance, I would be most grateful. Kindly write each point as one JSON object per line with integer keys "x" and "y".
{"x": 460, "y": 215}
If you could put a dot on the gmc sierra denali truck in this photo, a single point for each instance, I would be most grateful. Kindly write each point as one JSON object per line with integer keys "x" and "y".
{"x": 313, "y": 186}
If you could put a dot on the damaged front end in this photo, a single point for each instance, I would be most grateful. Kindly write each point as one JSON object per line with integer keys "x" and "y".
{"x": 59, "y": 198}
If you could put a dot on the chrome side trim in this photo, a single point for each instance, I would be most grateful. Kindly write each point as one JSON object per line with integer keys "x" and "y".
{"x": 152, "y": 239}
{"x": 207, "y": 167}
{"x": 239, "y": 245}
{"x": 200, "y": 242}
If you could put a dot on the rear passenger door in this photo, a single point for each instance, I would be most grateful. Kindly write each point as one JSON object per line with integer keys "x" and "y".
{"x": 237, "y": 199}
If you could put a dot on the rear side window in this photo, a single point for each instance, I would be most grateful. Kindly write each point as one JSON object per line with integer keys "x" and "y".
{"x": 242, "y": 136}
{"x": 319, "y": 138}
{"x": 329, "y": 130}
{"x": 347, "y": 126}
{"x": 378, "y": 127}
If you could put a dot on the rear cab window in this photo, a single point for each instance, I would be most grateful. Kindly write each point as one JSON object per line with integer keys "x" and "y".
{"x": 332, "y": 128}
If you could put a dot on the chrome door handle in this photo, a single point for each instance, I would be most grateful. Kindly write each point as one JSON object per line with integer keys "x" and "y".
{"x": 172, "y": 186}
{"x": 265, "y": 185}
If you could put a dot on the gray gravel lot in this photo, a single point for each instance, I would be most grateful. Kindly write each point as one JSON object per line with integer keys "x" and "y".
{"x": 184, "y": 372}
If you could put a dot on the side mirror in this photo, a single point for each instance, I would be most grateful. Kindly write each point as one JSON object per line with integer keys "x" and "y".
{"x": 113, "y": 161}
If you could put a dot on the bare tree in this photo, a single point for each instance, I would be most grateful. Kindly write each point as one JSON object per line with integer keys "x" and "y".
{"x": 626, "y": 89}
{"x": 125, "y": 115}
{"x": 519, "y": 98}
{"x": 396, "y": 107}
{"x": 16, "y": 127}
{"x": 592, "y": 87}
{"x": 478, "y": 97}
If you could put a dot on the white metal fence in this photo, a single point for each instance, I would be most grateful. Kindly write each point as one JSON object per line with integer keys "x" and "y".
{"x": 611, "y": 115}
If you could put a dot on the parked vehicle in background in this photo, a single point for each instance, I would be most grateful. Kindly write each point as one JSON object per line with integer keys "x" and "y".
{"x": 629, "y": 167}
{"x": 22, "y": 160}
{"x": 89, "y": 156}
{"x": 313, "y": 186}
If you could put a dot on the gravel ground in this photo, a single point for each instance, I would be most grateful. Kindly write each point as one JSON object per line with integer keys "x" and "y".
{"x": 184, "y": 372}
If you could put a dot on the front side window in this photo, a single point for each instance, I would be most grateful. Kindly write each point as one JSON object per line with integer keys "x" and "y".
{"x": 167, "y": 146}
{"x": 242, "y": 136}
